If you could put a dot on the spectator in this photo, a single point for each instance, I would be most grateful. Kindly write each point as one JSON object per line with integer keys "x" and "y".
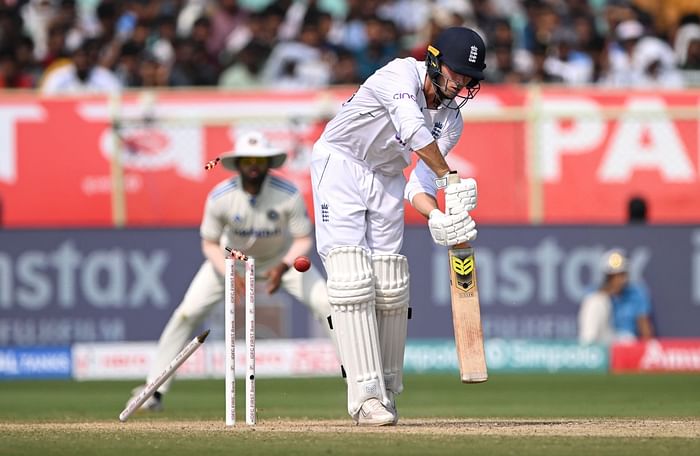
{"x": 566, "y": 61}
{"x": 163, "y": 39}
{"x": 539, "y": 73}
{"x": 501, "y": 69}
{"x": 617, "y": 311}
{"x": 685, "y": 43}
{"x": 127, "y": 68}
{"x": 637, "y": 210}
{"x": 55, "y": 46}
{"x": 11, "y": 74}
{"x": 153, "y": 72}
{"x": 225, "y": 19}
{"x": 300, "y": 63}
{"x": 641, "y": 61}
{"x": 81, "y": 73}
{"x": 344, "y": 69}
{"x": 380, "y": 48}
{"x": 245, "y": 68}
{"x": 37, "y": 15}
{"x": 24, "y": 56}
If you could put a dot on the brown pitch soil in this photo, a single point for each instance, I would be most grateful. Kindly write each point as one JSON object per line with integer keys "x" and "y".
{"x": 686, "y": 428}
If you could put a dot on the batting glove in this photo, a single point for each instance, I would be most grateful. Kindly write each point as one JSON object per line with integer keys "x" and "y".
{"x": 449, "y": 230}
{"x": 460, "y": 197}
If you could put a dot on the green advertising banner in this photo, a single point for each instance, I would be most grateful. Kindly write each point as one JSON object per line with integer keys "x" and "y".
{"x": 439, "y": 355}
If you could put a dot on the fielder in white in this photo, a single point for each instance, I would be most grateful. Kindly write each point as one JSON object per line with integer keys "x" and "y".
{"x": 359, "y": 189}
{"x": 263, "y": 216}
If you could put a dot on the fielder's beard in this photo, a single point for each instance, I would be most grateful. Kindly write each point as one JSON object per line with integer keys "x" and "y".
{"x": 257, "y": 180}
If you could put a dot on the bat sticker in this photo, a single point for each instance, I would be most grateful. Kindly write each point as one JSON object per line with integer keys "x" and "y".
{"x": 464, "y": 272}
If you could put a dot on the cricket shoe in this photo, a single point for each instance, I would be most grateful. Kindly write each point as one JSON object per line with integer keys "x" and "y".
{"x": 374, "y": 413}
{"x": 152, "y": 404}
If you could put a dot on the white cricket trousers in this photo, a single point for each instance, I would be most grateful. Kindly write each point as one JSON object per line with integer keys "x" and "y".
{"x": 354, "y": 205}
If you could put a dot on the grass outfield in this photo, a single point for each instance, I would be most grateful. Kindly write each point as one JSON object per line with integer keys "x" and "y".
{"x": 510, "y": 414}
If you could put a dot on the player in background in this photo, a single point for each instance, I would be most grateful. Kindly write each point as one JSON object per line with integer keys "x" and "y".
{"x": 261, "y": 215}
{"x": 618, "y": 310}
{"x": 359, "y": 188}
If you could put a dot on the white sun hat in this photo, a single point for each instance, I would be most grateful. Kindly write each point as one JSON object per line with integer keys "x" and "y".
{"x": 253, "y": 144}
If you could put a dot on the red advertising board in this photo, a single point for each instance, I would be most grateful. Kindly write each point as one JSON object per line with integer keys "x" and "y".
{"x": 663, "y": 355}
{"x": 559, "y": 157}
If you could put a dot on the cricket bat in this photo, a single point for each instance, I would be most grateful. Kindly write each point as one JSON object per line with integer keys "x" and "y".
{"x": 466, "y": 315}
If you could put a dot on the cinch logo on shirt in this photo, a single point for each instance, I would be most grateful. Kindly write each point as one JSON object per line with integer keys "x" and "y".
{"x": 473, "y": 53}
{"x": 402, "y": 95}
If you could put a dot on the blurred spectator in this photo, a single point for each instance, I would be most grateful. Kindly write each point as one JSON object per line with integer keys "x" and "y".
{"x": 11, "y": 26}
{"x": 200, "y": 31}
{"x": 380, "y": 48}
{"x": 542, "y": 21}
{"x": 227, "y": 16}
{"x": 192, "y": 66}
{"x": 668, "y": 13}
{"x": 108, "y": 12}
{"x": 24, "y": 57}
{"x": 692, "y": 56}
{"x": 641, "y": 61}
{"x": 442, "y": 15}
{"x": 55, "y": 46}
{"x": 300, "y": 63}
{"x": 540, "y": 74}
{"x": 615, "y": 13}
{"x": 618, "y": 310}
{"x": 127, "y": 68}
{"x": 244, "y": 70}
{"x": 566, "y": 61}
{"x": 344, "y": 69}
{"x": 81, "y": 73}
{"x": 11, "y": 74}
{"x": 637, "y": 210}
{"x": 501, "y": 69}
{"x": 565, "y": 41}
{"x": 686, "y": 43}
{"x": 163, "y": 39}
{"x": 37, "y": 16}
{"x": 153, "y": 72}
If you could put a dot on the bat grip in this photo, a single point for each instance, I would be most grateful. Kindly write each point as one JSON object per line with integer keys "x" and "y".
{"x": 453, "y": 177}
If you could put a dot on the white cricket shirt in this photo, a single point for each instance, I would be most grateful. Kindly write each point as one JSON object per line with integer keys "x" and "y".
{"x": 387, "y": 118}
{"x": 261, "y": 226}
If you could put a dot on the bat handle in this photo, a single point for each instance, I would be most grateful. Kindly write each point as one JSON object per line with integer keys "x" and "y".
{"x": 453, "y": 177}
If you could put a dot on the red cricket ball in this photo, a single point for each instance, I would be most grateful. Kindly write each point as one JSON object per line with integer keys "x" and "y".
{"x": 302, "y": 263}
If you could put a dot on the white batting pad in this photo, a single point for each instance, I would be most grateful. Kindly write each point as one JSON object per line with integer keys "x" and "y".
{"x": 351, "y": 297}
{"x": 392, "y": 294}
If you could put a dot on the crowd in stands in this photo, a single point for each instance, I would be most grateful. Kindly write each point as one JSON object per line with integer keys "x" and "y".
{"x": 63, "y": 46}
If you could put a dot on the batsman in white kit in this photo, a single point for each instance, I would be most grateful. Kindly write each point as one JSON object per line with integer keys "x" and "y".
{"x": 359, "y": 188}
{"x": 260, "y": 215}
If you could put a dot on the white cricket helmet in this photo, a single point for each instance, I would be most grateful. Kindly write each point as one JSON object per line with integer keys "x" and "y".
{"x": 253, "y": 144}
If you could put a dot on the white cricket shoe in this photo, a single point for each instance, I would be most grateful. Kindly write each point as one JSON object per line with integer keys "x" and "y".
{"x": 152, "y": 404}
{"x": 374, "y": 413}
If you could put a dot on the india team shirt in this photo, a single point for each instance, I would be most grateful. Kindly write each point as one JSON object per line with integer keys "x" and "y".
{"x": 633, "y": 302}
{"x": 261, "y": 226}
{"x": 387, "y": 118}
